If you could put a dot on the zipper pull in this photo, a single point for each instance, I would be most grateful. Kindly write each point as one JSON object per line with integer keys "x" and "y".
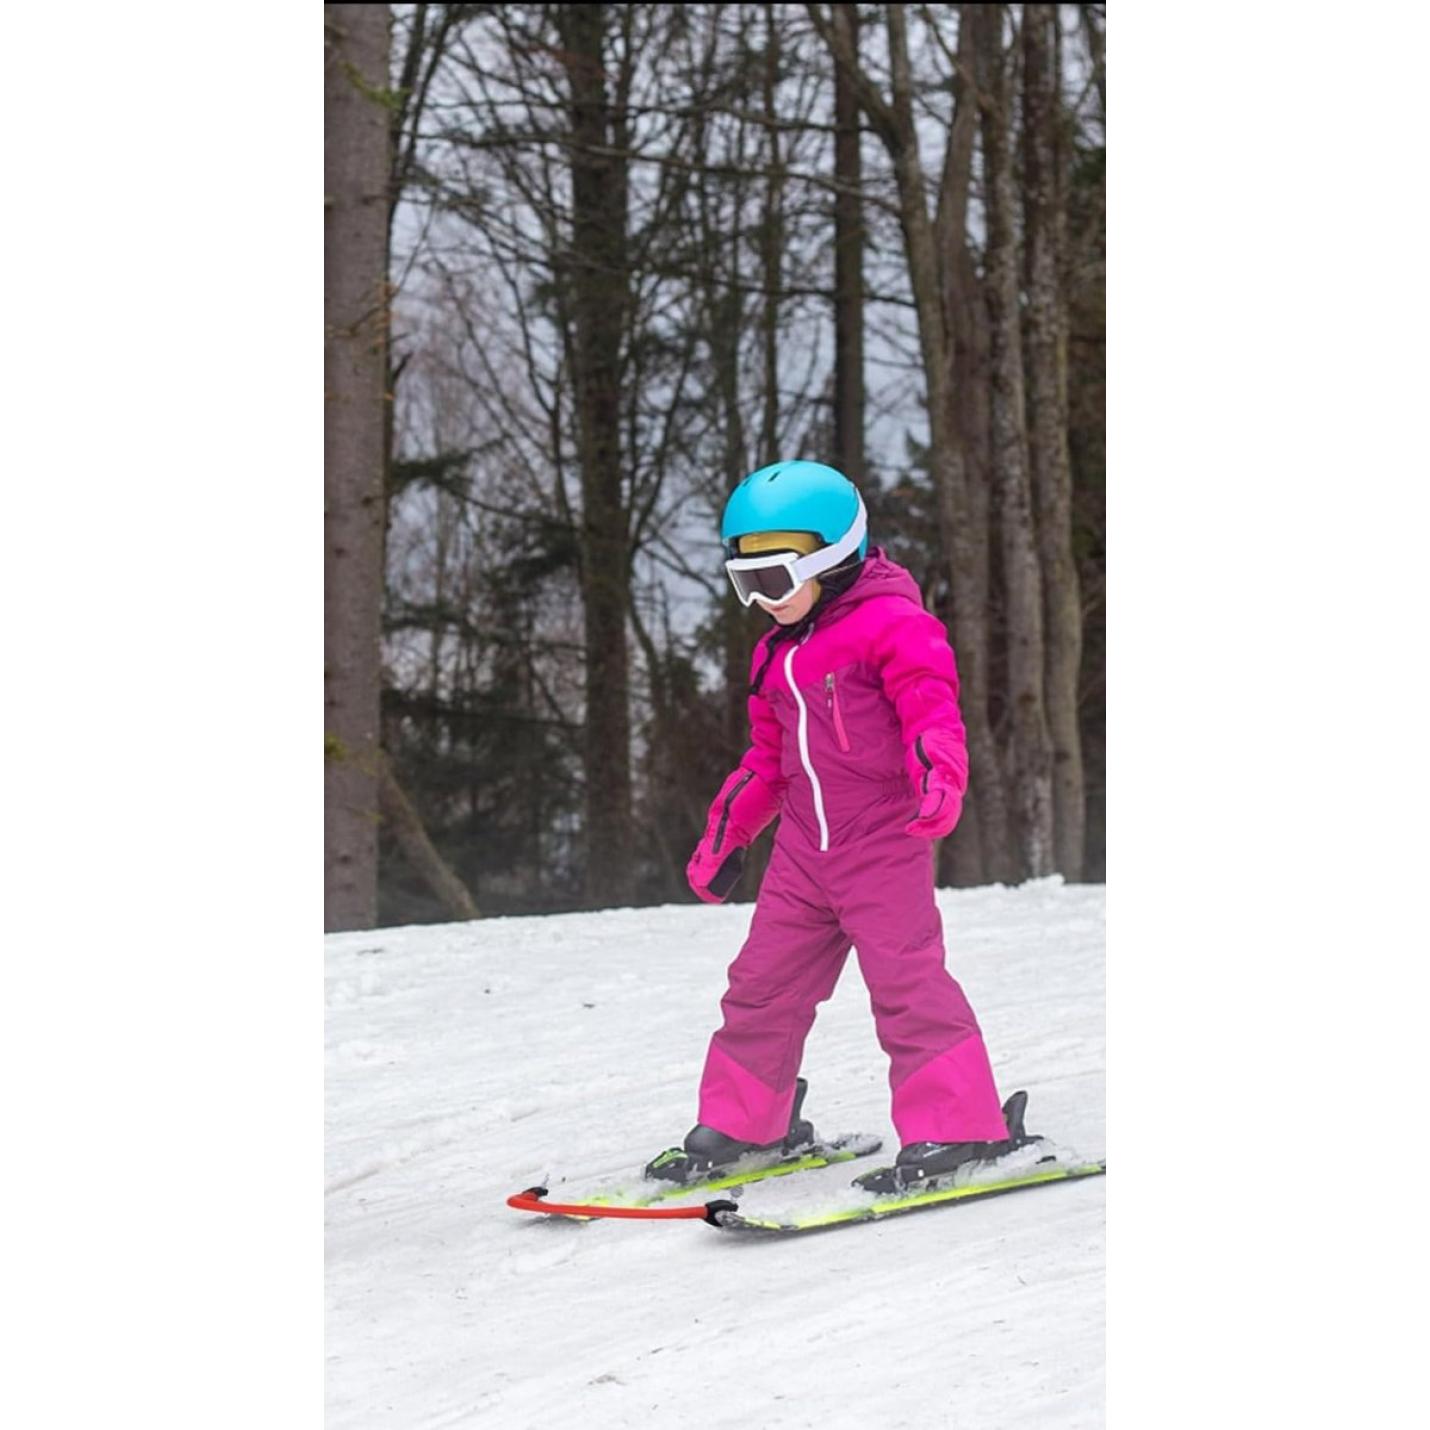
{"x": 840, "y": 733}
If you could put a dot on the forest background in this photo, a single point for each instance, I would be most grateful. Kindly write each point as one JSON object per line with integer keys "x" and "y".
{"x": 588, "y": 265}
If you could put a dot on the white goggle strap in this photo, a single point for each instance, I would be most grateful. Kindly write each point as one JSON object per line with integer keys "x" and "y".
{"x": 828, "y": 557}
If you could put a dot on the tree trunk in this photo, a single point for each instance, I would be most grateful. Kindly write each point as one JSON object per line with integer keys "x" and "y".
{"x": 772, "y": 248}
{"x": 1097, "y": 49}
{"x": 1030, "y": 753}
{"x": 421, "y": 853}
{"x": 848, "y": 264}
{"x": 356, "y": 169}
{"x": 1048, "y": 434}
{"x": 598, "y": 267}
{"x": 893, "y": 121}
{"x": 964, "y": 544}
{"x": 739, "y": 631}
{"x": 981, "y": 847}
{"x": 972, "y": 396}
{"x": 723, "y": 310}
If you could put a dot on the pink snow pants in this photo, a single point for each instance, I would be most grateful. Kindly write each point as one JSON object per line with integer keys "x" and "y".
{"x": 877, "y": 894}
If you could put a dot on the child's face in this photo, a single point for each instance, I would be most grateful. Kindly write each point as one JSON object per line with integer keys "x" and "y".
{"x": 798, "y": 605}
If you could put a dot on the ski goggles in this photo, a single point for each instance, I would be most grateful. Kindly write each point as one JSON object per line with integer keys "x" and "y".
{"x": 773, "y": 577}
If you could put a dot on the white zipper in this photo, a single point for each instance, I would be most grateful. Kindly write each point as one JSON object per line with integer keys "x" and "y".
{"x": 804, "y": 750}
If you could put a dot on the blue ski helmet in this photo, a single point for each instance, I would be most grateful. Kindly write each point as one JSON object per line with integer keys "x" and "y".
{"x": 792, "y": 496}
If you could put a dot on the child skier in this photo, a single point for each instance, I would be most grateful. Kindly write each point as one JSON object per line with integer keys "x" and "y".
{"x": 857, "y": 741}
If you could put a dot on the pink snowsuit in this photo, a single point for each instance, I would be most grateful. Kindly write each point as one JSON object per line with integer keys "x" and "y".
{"x": 842, "y": 721}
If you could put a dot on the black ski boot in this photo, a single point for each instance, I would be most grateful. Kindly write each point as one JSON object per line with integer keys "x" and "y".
{"x": 924, "y": 1163}
{"x": 707, "y": 1152}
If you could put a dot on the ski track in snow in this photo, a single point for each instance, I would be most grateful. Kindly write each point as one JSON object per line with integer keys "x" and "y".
{"x": 468, "y": 1061}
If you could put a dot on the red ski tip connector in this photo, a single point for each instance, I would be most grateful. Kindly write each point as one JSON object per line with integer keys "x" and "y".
{"x": 533, "y": 1199}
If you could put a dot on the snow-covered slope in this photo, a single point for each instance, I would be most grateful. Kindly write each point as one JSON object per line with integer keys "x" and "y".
{"x": 470, "y": 1060}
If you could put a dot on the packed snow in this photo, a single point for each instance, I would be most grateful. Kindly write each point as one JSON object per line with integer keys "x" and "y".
{"x": 469, "y": 1061}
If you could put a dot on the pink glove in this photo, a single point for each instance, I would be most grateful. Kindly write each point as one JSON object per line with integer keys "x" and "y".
{"x": 711, "y": 879}
{"x": 938, "y": 810}
{"x": 744, "y": 806}
{"x": 938, "y": 765}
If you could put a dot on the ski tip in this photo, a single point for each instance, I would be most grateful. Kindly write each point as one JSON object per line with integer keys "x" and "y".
{"x": 722, "y": 1213}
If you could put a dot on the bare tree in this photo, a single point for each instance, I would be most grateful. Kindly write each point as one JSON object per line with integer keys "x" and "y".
{"x": 412, "y": 838}
{"x": 425, "y": 48}
{"x": 1094, "y": 18}
{"x": 771, "y": 245}
{"x": 966, "y": 318}
{"x": 848, "y": 261}
{"x": 597, "y": 267}
{"x": 932, "y": 252}
{"x": 356, "y": 172}
{"x": 1030, "y": 743}
{"x": 1048, "y": 430}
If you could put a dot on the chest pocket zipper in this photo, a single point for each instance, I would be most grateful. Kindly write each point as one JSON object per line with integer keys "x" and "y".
{"x": 831, "y": 696}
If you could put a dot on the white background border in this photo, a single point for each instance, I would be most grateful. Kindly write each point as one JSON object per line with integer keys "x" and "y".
{"x": 1267, "y": 789}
